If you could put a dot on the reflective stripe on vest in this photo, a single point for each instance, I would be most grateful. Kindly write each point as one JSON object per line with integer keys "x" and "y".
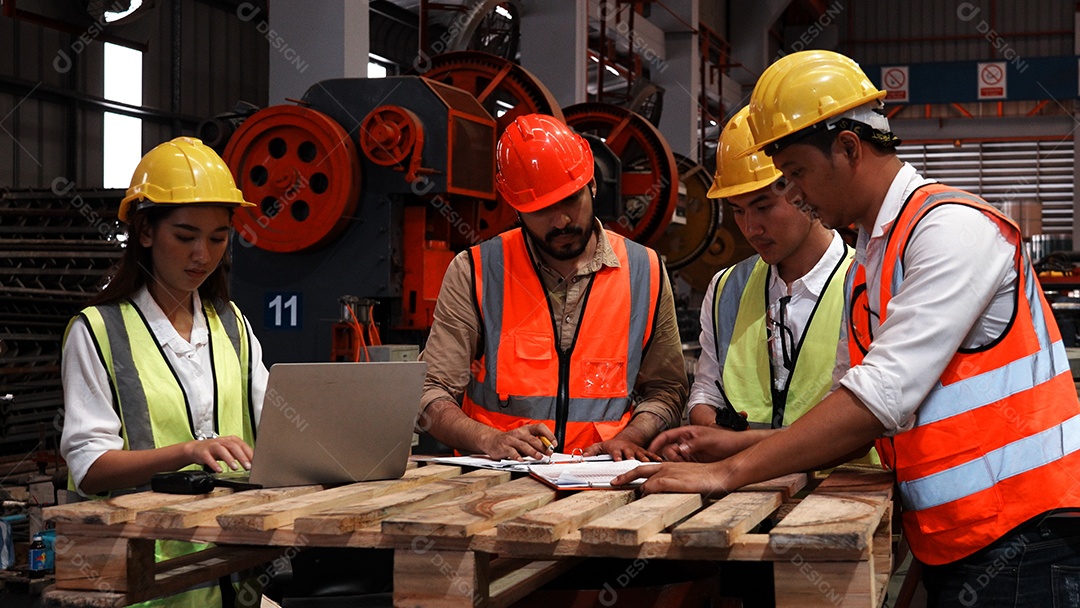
{"x": 739, "y": 322}
{"x": 139, "y": 374}
{"x": 996, "y": 438}
{"x": 518, "y": 379}
{"x": 1008, "y": 461}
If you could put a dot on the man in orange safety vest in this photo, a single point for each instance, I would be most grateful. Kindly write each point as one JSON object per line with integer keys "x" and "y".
{"x": 559, "y": 332}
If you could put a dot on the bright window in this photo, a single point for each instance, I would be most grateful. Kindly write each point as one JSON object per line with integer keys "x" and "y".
{"x": 122, "y": 134}
{"x": 378, "y": 67}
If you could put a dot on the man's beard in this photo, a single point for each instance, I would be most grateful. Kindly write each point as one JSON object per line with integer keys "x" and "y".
{"x": 568, "y": 251}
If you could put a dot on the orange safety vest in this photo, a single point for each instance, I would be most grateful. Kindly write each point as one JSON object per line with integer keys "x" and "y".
{"x": 523, "y": 376}
{"x": 996, "y": 442}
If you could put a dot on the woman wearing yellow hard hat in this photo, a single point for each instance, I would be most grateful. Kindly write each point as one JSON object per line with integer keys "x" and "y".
{"x": 956, "y": 366}
{"x": 161, "y": 371}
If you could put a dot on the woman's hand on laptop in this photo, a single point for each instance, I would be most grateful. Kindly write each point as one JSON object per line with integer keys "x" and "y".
{"x": 229, "y": 449}
{"x": 518, "y": 443}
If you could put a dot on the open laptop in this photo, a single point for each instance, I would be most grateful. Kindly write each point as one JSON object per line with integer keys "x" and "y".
{"x": 327, "y": 423}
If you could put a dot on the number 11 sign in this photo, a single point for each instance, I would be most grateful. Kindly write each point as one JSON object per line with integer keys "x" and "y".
{"x": 283, "y": 310}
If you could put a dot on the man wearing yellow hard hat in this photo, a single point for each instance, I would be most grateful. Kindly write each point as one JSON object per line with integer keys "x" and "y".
{"x": 558, "y": 332}
{"x": 957, "y": 368}
{"x": 769, "y": 324}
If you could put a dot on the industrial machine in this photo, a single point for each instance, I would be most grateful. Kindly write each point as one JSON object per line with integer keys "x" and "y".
{"x": 367, "y": 188}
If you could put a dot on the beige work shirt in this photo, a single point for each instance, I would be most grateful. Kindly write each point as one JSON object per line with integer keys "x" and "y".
{"x": 454, "y": 341}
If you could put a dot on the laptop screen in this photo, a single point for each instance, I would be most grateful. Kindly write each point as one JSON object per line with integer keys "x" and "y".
{"x": 327, "y": 423}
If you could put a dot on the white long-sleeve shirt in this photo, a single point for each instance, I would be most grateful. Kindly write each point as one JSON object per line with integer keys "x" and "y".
{"x": 804, "y": 293}
{"x": 958, "y": 290}
{"x": 91, "y": 425}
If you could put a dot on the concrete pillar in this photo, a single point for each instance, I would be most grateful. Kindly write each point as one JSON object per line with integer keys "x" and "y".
{"x": 554, "y": 46}
{"x": 309, "y": 43}
{"x": 679, "y": 73}
{"x": 750, "y": 37}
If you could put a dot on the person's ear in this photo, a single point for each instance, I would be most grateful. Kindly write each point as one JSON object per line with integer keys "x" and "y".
{"x": 592, "y": 187}
{"x": 146, "y": 235}
{"x": 849, "y": 146}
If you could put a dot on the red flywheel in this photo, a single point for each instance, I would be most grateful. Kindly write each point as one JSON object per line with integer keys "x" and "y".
{"x": 301, "y": 170}
{"x": 650, "y": 176}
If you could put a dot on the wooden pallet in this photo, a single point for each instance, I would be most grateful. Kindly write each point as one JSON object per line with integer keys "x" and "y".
{"x": 831, "y": 548}
{"x": 20, "y": 581}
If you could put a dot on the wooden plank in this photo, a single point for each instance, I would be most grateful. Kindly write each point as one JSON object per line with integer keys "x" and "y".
{"x": 856, "y": 478}
{"x": 273, "y": 515}
{"x": 519, "y": 582}
{"x": 121, "y": 508}
{"x": 368, "y": 512}
{"x": 637, "y": 521}
{"x": 203, "y": 512}
{"x": 785, "y": 509}
{"x": 727, "y": 519}
{"x": 467, "y": 515}
{"x": 883, "y": 553}
{"x": 103, "y": 564}
{"x": 803, "y": 584}
{"x": 155, "y": 580}
{"x": 54, "y": 597}
{"x": 550, "y": 522}
{"x": 830, "y": 521}
{"x": 177, "y": 574}
{"x": 788, "y": 485}
{"x": 746, "y": 548}
{"x": 441, "y": 579}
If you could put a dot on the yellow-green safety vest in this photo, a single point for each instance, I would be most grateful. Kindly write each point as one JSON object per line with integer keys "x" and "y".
{"x": 140, "y": 374}
{"x": 739, "y": 326}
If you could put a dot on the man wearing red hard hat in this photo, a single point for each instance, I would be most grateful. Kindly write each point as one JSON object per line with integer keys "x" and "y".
{"x": 558, "y": 333}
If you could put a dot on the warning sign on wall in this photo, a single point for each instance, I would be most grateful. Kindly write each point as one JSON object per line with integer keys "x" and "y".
{"x": 894, "y": 79}
{"x": 991, "y": 78}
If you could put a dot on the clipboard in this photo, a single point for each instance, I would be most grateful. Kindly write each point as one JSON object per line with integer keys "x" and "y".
{"x": 588, "y": 475}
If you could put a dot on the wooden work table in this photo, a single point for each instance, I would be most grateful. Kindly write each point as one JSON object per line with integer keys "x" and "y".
{"x": 500, "y": 538}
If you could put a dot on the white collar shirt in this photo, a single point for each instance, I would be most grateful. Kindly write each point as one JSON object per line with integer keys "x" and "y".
{"x": 959, "y": 282}
{"x": 804, "y": 293}
{"x": 91, "y": 425}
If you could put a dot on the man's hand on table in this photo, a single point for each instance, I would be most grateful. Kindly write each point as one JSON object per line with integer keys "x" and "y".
{"x": 518, "y": 443}
{"x": 621, "y": 449}
{"x": 698, "y": 444}
{"x": 678, "y": 477}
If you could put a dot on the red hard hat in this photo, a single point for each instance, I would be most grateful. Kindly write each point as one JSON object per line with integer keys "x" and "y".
{"x": 541, "y": 161}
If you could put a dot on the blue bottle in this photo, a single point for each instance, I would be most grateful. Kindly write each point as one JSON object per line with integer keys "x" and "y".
{"x": 38, "y": 557}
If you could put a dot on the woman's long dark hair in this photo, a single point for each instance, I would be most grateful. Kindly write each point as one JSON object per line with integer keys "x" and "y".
{"x": 135, "y": 265}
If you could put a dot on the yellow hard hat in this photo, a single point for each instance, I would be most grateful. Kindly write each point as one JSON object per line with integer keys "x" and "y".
{"x": 737, "y": 172}
{"x": 803, "y": 89}
{"x": 182, "y": 171}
